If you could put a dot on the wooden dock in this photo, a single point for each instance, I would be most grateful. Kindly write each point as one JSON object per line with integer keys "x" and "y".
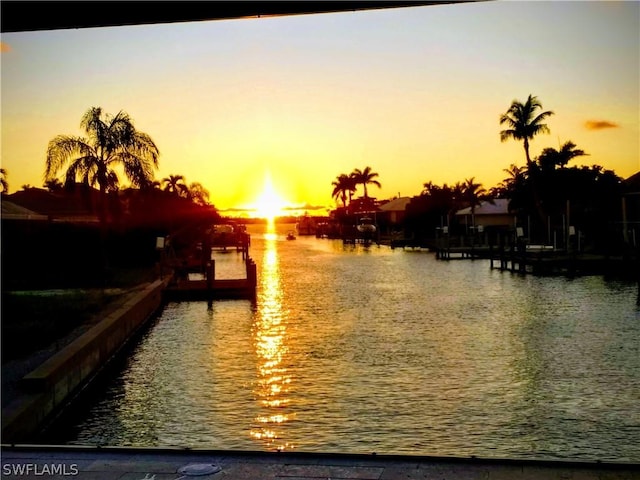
{"x": 561, "y": 263}
{"x": 542, "y": 261}
{"x": 471, "y": 252}
{"x": 183, "y": 287}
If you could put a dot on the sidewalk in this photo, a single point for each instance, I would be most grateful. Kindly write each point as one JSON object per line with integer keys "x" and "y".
{"x": 167, "y": 464}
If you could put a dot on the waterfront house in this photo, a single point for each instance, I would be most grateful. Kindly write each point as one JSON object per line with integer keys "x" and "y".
{"x": 394, "y": 211}
{"x": 631, "y": 211}
{"x": 391, "y": 214}
{"x": 488, "y": 221}
{"x": 488, "y": 214}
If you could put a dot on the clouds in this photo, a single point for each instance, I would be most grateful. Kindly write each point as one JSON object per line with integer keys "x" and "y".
{"x": 599, "y": 124}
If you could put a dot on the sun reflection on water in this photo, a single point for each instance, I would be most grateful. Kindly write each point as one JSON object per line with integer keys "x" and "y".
{"x": 270, "y": 341}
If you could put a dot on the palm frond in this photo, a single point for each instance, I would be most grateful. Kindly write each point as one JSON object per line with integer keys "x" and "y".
{"x": 62, "y": 149}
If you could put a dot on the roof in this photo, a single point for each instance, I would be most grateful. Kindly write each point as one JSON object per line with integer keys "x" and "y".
{"x": 395, "y": 205}
{"x": 500, "y": 206}
{"x": 11, "y": 211}
{"x": 633, "y": 182}
{"x": 64, "y": 205}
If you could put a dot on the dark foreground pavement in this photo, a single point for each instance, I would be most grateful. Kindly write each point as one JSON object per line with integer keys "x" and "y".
{"x": 47, "y": 462}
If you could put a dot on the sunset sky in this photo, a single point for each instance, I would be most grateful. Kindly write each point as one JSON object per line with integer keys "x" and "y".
{"x": 292, "y": 102}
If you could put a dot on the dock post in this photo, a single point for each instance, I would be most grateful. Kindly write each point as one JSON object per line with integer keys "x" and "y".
{"x": 211, "y": 275}
{"x": 522, "y": 249}
{"x": 252, "y": 275}
{"x": 491, "y": 256}
{"x": 245, "y": 245}
{"x": 512, "y": 254}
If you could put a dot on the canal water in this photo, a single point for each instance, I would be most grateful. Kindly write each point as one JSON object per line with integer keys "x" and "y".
{"x": 367, "y": 349}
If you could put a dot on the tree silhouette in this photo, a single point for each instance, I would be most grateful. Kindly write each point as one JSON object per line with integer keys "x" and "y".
{"x": 365, "y": 177}
{"x": 506, "y": 187}
{"x": 550, "y": 158}
{"x": 4, "y": 184}
{"x": 176, "y": 185}
{"x": 344, "y": 185}
{"x": 473, "y": 195}
{"x": 53, "y": 185}
{"x": 112, "y": 142}
{"x": 523, "y": 123}
{"x": 198, "y": 194}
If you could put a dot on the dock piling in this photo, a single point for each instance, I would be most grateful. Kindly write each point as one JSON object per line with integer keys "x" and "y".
{"x": 210, "y": 274}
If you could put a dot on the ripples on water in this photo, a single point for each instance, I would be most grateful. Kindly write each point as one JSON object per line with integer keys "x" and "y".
{"x": 354, "y": 349}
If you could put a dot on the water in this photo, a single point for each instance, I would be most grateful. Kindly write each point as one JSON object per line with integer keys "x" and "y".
{"x": 367, "y": 349}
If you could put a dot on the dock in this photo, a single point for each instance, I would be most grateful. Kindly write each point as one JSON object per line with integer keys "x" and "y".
{"x": 542, "y": 260}
{"x": 195, "y": 274}
{"x": 197, "y": 285}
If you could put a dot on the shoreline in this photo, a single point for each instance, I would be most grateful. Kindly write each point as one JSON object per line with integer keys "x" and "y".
{"x": 41, "y": 384}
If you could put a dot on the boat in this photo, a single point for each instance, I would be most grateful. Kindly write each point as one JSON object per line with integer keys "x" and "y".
{"x": 366, "y": 225}
{"x": 291, "y": 236}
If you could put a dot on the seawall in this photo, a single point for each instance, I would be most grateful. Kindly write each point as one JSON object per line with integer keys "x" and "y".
{"x": 54, "y": 382}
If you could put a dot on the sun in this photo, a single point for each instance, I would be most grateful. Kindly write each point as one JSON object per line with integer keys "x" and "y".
{"x": 269, "y": 204}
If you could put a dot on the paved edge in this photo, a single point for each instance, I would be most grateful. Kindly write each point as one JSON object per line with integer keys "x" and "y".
{"x": 283, "y": 456}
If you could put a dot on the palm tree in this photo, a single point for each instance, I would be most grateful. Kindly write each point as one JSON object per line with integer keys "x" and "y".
{"x": 113, "y": 142}
{"x": 473, "y": 194}
{"x": 175, "y": 184}
{"x": 550, "y": 158}
{"x": 4, "y": 184}
{"x": 198, "y": 194}
{"x": 457, "y": 196}
{"x": 514, "y": 172}
{"x": 53, "y": 185}
{"x": 523, "y": 122}
{"x": 344, "y": 185}
{"x": 365, "y": 177}
{"x": 150, "y": 185}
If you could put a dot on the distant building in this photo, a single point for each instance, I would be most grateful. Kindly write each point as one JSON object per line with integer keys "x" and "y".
{"x": 394, "y": 210}
{"x": 488, "y": 214}
{"x": 362, "y": 205}
{"x": 306, "y": 225}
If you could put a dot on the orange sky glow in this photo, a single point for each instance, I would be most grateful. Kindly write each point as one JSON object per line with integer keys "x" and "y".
{"x": 265, "y": 113}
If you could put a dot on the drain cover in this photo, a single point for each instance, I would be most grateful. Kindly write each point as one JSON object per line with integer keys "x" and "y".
{"x": 196, "y": 469}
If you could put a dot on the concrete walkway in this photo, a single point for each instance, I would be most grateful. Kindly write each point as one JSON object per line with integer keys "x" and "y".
{"x": 166, "y": 464}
